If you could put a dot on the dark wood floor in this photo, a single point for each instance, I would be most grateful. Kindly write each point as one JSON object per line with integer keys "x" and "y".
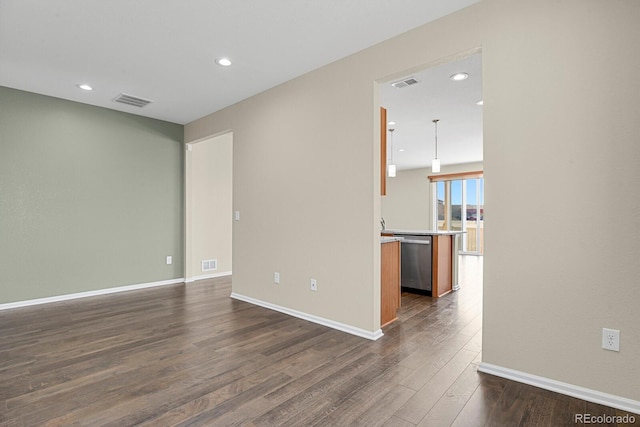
{"x": 190, "y": 355}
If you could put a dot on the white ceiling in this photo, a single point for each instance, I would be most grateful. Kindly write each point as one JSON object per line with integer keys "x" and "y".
{"x": 436, "y": 96}
{"x": 164, "y": 50}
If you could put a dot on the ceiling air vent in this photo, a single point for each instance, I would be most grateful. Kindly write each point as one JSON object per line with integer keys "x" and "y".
{"x": 123, "y": 98}
{"x": 404, "y": 82}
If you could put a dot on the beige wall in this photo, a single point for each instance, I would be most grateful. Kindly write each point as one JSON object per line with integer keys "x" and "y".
{"x": 560, "y": 129}
{"x": 407, "y": 204}
{"x": 209, "y": 190}
{"x": 561, "y": 154}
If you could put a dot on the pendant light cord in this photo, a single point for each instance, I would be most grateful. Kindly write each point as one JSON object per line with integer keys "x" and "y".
{"x": 435, "y": 121}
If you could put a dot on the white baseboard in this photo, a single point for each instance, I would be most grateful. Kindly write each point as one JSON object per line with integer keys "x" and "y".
{"x": 311, "y": 318}
{"x": 583, "y": 393}
{"x": 68, "y": 297}
{"x": 207, "y": 276}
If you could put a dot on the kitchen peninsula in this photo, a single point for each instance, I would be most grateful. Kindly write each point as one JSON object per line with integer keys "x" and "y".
{"x": 429, "y": 260}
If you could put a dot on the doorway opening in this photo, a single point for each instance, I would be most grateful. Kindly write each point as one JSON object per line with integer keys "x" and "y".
{"x": 414, "y": 200}
{"x": 208, "y": 207}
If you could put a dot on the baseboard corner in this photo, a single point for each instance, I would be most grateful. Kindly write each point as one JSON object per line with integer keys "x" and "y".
{"x": 362, "y": 333}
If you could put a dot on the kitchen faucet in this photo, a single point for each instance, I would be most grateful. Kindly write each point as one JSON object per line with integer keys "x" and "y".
{"x": 382, "y": 224}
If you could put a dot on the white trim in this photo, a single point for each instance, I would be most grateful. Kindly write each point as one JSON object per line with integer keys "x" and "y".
{"x": 311, "y": 318}
{"x": 207, "y": 276}
{"x": 583, "y": 393}
{"x": 106, "y": 291}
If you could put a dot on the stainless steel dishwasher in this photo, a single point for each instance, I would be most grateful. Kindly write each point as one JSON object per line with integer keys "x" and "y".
{"x": 415, "y": 272}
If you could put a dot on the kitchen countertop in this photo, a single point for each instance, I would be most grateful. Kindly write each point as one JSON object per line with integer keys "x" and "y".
{"x": 389, "y": 239}
{"x": 422, "y": 232}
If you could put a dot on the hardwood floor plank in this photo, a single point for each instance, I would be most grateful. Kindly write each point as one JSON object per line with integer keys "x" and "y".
{"x": 228, "y": 399}
{"x": 325, "y": 375}
{"x": 190, "y": 355}
{"x": 349, "y": 411}
{"x": 449, "y": 406}
{"x": 327, "y": 403}
{"x": 510, "y": 408}
{"x": 435, "y": 358}
{"x": 382, "y": 409}
{"x": 539, "y": 412}
{"x": 479, "y": 407}
{"x": 308, "y": 399}
{"x": 397, "y": 422}
{"x": 422, "y": 402}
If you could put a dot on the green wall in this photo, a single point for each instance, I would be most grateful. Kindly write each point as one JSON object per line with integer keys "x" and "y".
{"x": 90, "y": 198}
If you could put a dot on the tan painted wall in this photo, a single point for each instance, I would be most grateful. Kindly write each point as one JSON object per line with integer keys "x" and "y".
{"x": 561, "y": 153}
{"x": 560, "y": 138}
{"x": 210, "y": 191}
{"x": 407, "y": 203}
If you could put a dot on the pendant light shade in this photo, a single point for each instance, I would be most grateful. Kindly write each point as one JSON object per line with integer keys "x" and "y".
{"x": 435, "y": 163}
{"x": 391, "y": 170}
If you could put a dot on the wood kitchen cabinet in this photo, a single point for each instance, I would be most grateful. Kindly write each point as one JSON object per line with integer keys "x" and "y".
{"x": 442, "y": 278}
{"x": 389, "y": 282}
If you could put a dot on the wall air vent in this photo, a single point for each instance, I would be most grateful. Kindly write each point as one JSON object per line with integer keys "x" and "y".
{"x": 405, "y": 82}
{"x": 209, "y": 264}
{"x": 123, "y": 98}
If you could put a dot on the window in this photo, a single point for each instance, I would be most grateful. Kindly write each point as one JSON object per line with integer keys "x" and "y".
{"x": 458, "y": 205}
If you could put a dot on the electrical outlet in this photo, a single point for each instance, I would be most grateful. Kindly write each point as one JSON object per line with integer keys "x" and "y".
{"x": 610, "y": 339}
{"x": 276, "y": 277}
{"x": 314, "y": 285}
{"x": 236, "y": 215}
{"x": 169, "y": 260}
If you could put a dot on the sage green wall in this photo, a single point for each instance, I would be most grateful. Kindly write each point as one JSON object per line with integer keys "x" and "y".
{"x": 90, "y": 198}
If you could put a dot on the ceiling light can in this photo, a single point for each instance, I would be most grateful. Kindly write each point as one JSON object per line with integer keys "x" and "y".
{"x": 84, "y": 86}
{"x": 225, "y": 62}
{"x": 459, "y": 76}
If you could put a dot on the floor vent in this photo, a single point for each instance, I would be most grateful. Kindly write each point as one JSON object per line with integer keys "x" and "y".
{"x": 404, "y": 82}
{"x": 123, "y": 98}
{"x": 209, "y": 264}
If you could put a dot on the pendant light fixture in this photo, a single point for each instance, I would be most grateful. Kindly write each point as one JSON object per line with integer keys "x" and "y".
{"x": 392, "y": 167}
{"x": 435, "y": 163}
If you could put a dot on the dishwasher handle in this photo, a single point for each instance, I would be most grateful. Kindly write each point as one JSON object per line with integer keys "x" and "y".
{"x": 416, "y": 242}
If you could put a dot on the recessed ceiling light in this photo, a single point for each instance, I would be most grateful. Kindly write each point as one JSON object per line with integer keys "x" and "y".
{"x": 400, "y": 149}
{"x": 225, "y": 62}
{"x": 459, "y": 76}
{"x": 391, "y": 123}
{"x": 85, "y": 86}
{"x": 481, "y": 102}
